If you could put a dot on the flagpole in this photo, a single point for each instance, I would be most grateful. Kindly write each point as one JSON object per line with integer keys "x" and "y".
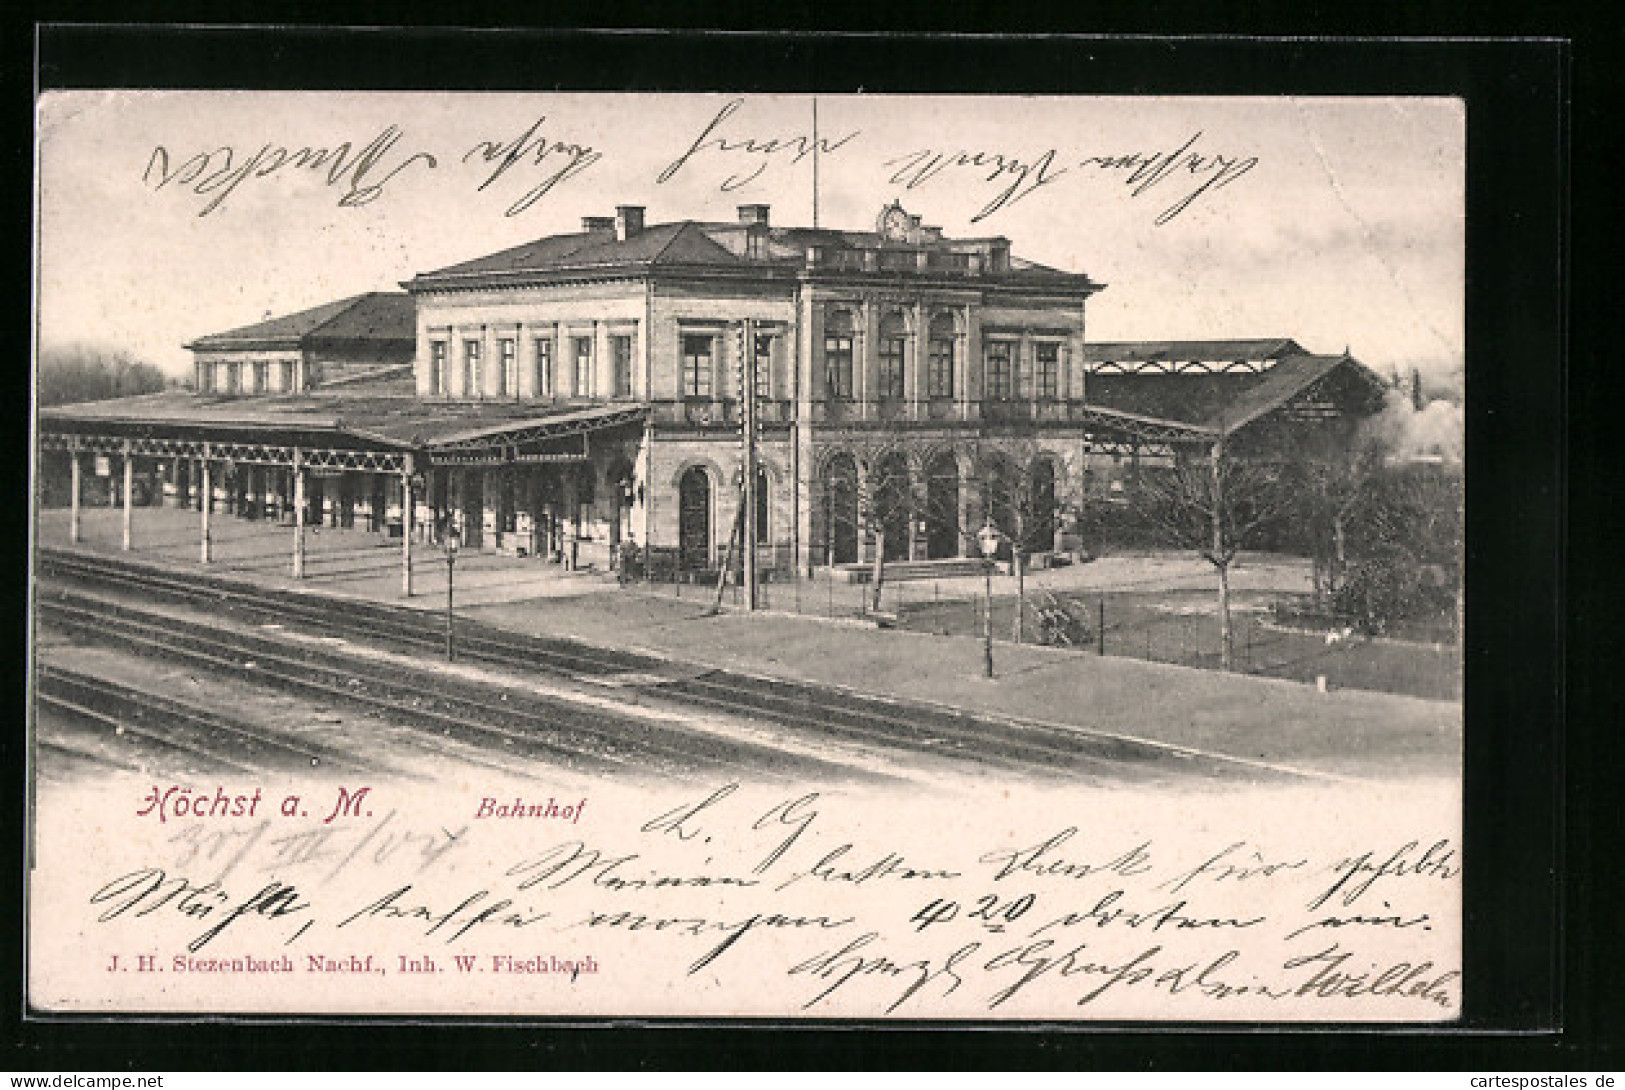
{"x": 815, "y": 161}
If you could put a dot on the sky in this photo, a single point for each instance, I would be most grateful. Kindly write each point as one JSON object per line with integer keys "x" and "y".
{"x": 1338, "y": 222}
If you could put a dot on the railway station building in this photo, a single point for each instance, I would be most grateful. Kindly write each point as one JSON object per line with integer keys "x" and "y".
{"x": 579, "y": 393}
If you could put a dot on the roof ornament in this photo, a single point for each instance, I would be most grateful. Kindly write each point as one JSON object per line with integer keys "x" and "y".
{"x": 893, "y": 223}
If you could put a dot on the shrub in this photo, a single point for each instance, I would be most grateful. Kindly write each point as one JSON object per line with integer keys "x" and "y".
{"x": 1387, "y": 590}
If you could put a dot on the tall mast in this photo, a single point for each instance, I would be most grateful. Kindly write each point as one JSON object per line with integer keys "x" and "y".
{"x": 815, "y": 161}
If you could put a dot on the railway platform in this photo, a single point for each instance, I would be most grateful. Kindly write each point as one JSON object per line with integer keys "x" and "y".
{"x": 1273, "y": 724}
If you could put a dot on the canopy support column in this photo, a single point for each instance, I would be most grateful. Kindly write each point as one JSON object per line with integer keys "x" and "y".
{"x": 408, "y": 505}
{"x": 206, "y": 504}
{"x": 298, "y": 515}
{"x": 129, "y": 481}
{"x": 73, "y": 503}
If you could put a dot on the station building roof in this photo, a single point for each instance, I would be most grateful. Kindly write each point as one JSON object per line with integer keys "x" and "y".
{"x": 612, "y": 246}
{"x": 384, "y": 318}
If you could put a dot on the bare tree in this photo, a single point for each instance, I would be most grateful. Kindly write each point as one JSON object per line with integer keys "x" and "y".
{"x": 1216, "y": 506}
{"x": 82, "y": 372}
{"x": 1327, "y": 494}
{"x": 886, "y": 512}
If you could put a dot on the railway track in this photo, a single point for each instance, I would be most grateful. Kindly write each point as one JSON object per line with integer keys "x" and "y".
{"x": 522, "y": 725}
{"x": 808, "y": 708}
{"x": 145, "y": 720}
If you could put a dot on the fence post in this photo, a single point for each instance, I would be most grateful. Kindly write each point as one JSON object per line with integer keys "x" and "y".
{"x": 1100, "y": 628}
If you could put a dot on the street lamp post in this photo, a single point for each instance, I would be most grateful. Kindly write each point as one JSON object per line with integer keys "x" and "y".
{"x": 988, "y": 540}
{"x": 453, "y": 542}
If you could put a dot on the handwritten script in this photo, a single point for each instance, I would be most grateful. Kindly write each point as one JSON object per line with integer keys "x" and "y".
{"x": 731, "y": 152}
{"x": 1185, "y": 172}
{"x": 362, "y": 176}
{"x": 791, "y": 902}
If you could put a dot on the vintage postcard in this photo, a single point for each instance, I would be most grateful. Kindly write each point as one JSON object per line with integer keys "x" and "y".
{"x": 871, "y": 557}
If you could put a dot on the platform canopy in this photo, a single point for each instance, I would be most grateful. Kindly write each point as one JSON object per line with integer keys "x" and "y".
{"x": 377, "y": 433}
{"x": 1290, "y": 384}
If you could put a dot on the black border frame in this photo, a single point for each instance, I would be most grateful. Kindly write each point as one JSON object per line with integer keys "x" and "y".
{"x": 1517, "y": 95}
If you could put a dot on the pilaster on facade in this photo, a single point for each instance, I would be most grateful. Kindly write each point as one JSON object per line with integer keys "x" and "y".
{"x": 971, "y": 389}
{"x": 525, "y": 362}
{"x": 917, "y": 356}
{"x": 603, "y": 361}
{"x": 864, "y": 357}
{"x": 809, "y": 341}
{"x": 490, "y": 365}
{"x": 1025, "y": 368}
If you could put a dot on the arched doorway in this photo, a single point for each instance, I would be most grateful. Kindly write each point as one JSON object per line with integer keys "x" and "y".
{"x": 1041, "y": 516}
{"x": 894, "y": 504}
{"x": 764, "y": 504}
{"x": 619, "y": 478}
{"x": 942, "y": 530}
{"x": 841, "y": 509}
{"x": 1001, "y": 499}
{"x": 694, "y": 518}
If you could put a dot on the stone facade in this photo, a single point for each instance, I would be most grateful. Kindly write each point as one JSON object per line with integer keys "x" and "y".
{"x": 904, "y": 379}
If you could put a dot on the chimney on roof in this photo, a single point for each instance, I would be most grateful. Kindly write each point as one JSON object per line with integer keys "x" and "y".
{"x": 628, "y": 221}
{"x": 598, "y": 225}
{"x": 754, "y": 214}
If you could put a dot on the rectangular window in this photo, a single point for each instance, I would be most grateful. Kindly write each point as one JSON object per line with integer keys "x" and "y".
{"x": 696, "y": 365}
{"x": 1000, "y": 384}
{"x": 234, "y": 378}
{"x": 206, "y": 378}
{"x": 621, "y": 349}
{"x": 471, "y": 368}
{"x": 437, "y": 368}
{"x": 891, "y": 367}
{"x": 941, "y": 379}
{"x": 544, "y": 367}
{"x": 1047, "y": 357}
{"x": 287, "y": 375}
{"x": 764, "y": 367}
{"x": 508, "y": 349}
{"x": 583, "y": 367}
{"x": 262, "y": 376}
{"x": 838, "y": 367}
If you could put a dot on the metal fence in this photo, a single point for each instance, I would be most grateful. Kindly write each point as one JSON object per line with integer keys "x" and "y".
{"x": 1176, "y": 625}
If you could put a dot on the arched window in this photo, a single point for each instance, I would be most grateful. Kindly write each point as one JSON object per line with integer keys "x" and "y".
{"x": 1002, "y": 495}
{"x": 694, "y": 518}
{"x": 942, "y": 530}
{"x": 840, "y": 488}
{"x": 1041, "y": 500}
{"x": 893, "y": 500}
